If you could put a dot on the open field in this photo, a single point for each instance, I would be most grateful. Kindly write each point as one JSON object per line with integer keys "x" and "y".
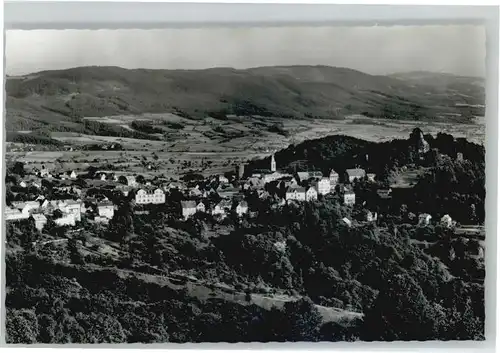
{"x": 252, "y": 133}
{"x": 213, "y": 146}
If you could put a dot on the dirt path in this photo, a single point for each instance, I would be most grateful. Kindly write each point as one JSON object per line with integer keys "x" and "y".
{"x": 203, "y": 292}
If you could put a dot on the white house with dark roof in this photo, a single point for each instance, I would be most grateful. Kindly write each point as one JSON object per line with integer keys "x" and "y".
{"x": 334, "y": 178}
{"x": 311, "y": 194}
{"x": 200, "y": 207}
{"x": 188, "y": 208}
{"x": 242, "y": 208}
{"x": 297, "y": 193}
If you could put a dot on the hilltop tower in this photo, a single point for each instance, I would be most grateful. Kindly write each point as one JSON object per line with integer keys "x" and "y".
{"x": 273, "y": 164}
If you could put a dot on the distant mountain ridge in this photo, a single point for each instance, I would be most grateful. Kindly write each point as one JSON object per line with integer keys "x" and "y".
{"x": 59, "y": 100}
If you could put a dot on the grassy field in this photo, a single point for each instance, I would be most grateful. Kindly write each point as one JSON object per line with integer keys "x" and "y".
{"x": 211, "y": 146}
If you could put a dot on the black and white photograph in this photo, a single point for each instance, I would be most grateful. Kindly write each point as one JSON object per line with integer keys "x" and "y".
{"x": 245, "y": 184}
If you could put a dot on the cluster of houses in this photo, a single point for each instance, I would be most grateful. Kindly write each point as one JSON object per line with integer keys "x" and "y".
{"x": 301, "y": 187}
{"x": 64, "y": 212}
{"x": 196, "y": 196}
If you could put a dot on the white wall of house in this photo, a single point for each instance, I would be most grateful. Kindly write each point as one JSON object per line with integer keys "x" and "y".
{"x": 66, "y": 220}
{"x": 349, "y": 198}
{"x": 324, "y": 186}
{"x": 241, "y": 210}
{"x": 311, "y": 194}
{"x": 107, "y": 211}
{"x": 188, "y": 212}
{"x": 296, "y": 195}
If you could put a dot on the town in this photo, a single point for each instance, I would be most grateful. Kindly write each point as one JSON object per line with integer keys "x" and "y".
{"x": 59, "y": 195}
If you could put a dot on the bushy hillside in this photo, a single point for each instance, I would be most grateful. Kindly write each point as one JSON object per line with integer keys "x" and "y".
{"x": 60, "y": 99}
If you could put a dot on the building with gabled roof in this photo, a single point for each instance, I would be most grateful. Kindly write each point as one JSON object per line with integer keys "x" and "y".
{"x": 324, "y": 186}
{"x": 241, "y": 208}
{"x": 188, "y": 208}
{"x": 311, "y": 194}
{"x": 334, "y": 178}
{"x": 297, "y": 193}
{"x": 355, "y": 173}
{"x": 40, "y": 220}
{"x": 106, "y": 210}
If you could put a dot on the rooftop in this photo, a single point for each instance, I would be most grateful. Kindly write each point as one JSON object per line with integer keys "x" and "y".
{"x": 355, "y": 172}
{"x": 188, "y": 204}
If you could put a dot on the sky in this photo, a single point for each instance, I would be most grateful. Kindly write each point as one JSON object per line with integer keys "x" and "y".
{"x": 375, "y": 50}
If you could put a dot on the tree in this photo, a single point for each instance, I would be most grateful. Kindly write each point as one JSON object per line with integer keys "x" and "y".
{"x": 302, "y": 321}
{"x": 21, "y": 326}
{"x": 75, "y": 255}
{"x": 140, "y": 179}
{"x": 18, "y": 168}
{"x": 402, "y": 312}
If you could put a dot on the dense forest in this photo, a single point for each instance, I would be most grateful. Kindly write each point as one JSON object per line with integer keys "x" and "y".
{"x": 398, "y": 281}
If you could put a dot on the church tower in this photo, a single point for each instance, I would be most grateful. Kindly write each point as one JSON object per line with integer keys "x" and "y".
{"x": 273, "y": 164}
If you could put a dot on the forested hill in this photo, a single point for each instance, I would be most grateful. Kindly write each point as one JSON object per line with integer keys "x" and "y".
{"x": 340, "y": 152}
{"x": 60, "y": 99}
{"x": 442, "y": 183}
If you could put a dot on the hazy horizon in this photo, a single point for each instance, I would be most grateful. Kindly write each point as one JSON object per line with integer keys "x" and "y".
{"x": 451, "y": 49}
{"x": 247, "y": 68}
